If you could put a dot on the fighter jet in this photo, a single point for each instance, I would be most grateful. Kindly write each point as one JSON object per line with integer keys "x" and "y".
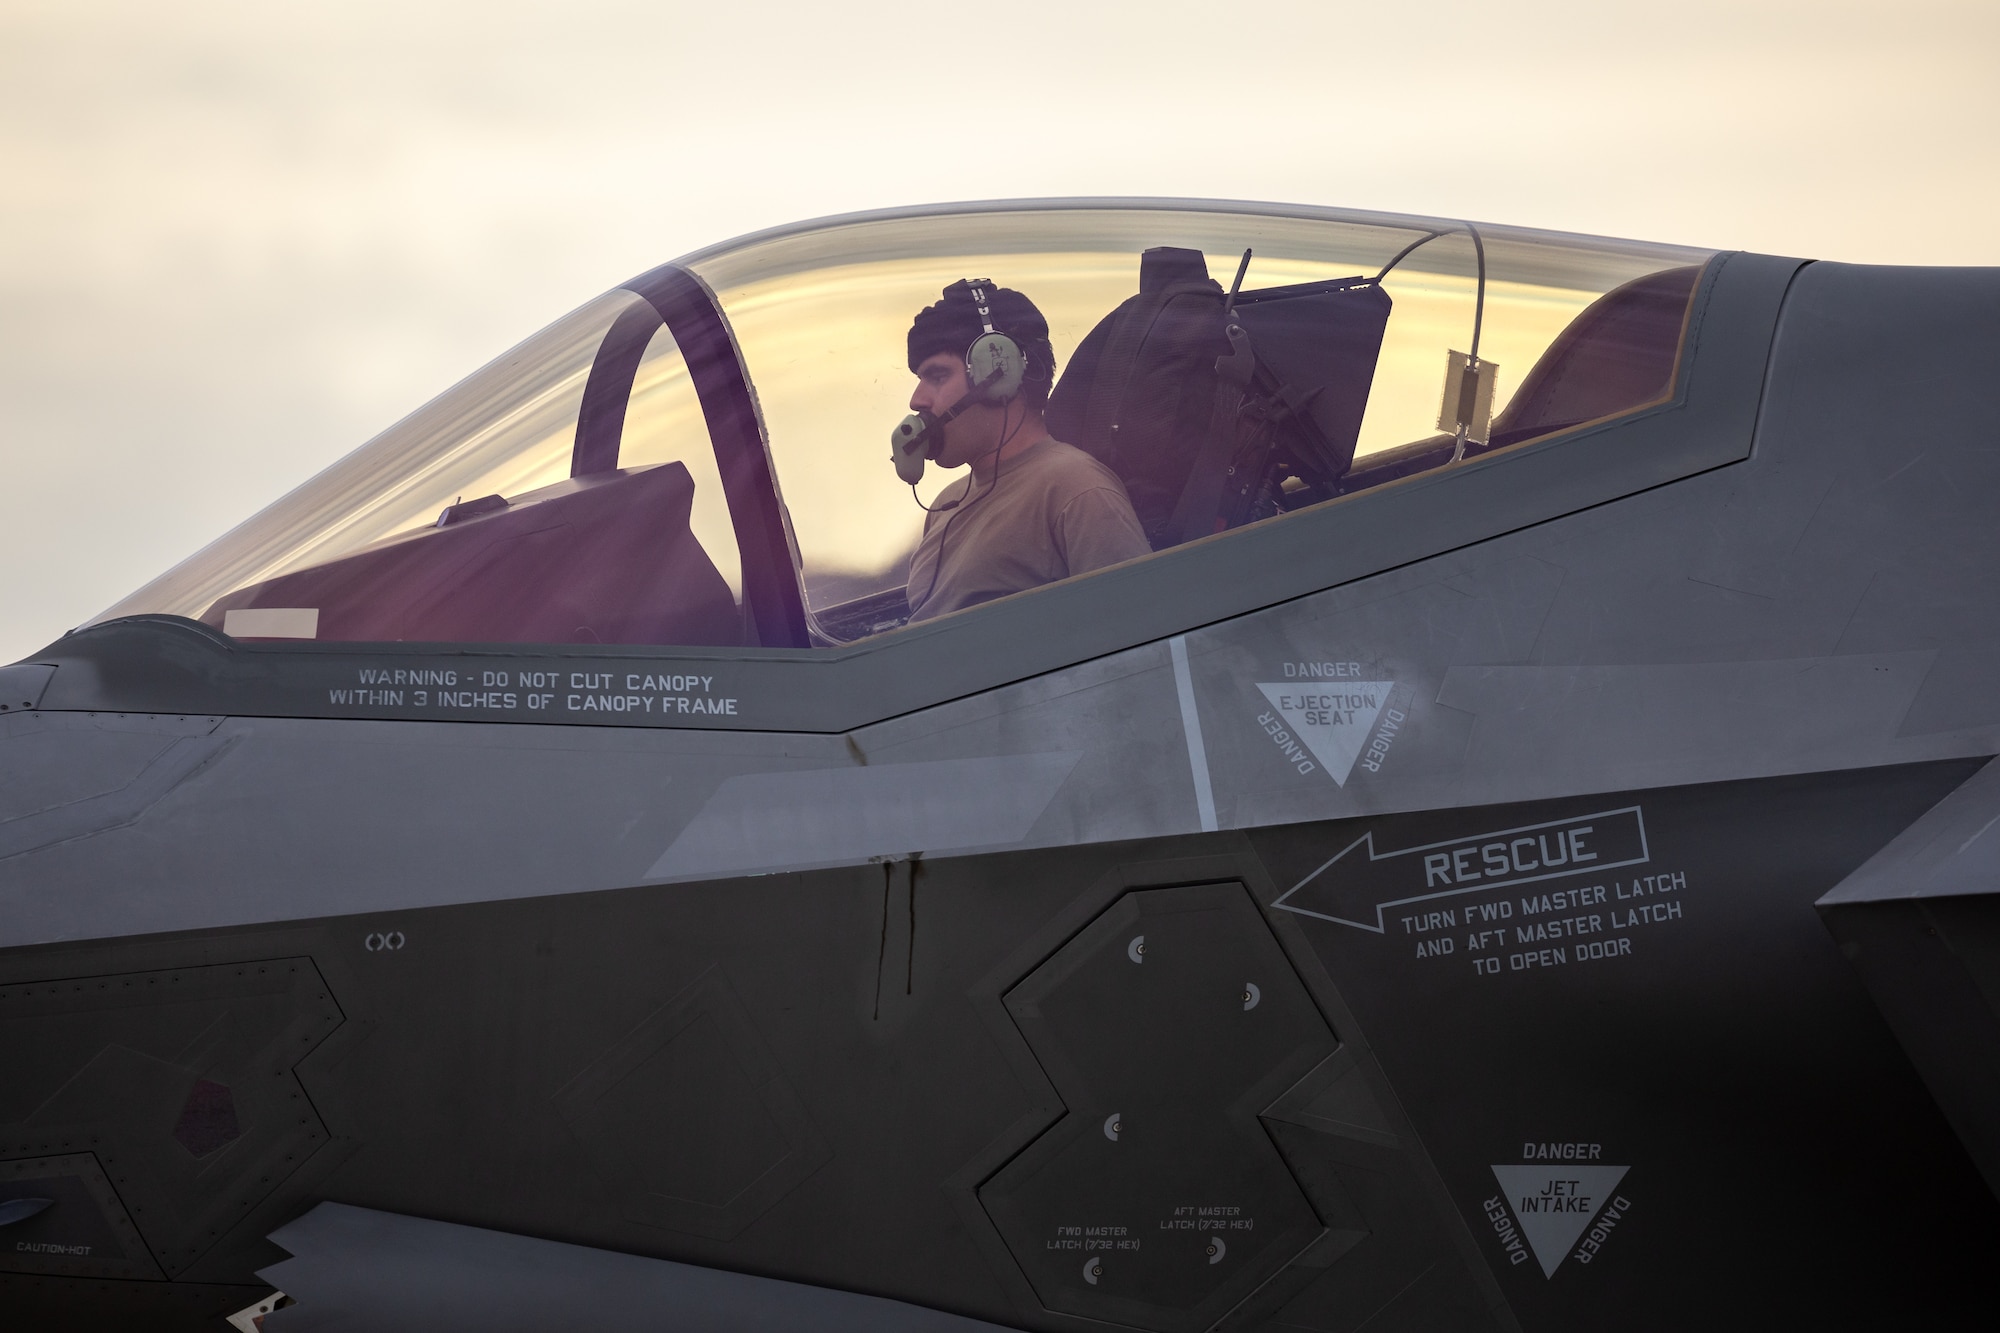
{"x": 1505, "y": 843}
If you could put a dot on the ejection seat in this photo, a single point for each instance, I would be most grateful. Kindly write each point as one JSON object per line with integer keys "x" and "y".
{"x": 1218, "y": 409}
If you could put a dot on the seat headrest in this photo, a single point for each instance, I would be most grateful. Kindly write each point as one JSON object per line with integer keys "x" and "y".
{"x": 1170, "y": 263}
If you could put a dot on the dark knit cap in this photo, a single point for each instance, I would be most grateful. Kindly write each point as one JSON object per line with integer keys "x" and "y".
{"x": 953, "y": 324}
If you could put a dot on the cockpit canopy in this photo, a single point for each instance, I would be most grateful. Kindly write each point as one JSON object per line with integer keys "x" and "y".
{"x": 700, "y": 456}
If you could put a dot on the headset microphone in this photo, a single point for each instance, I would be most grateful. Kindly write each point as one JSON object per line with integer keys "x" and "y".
{"x": 912, "y": 442}
{"x": 920, "y": 435}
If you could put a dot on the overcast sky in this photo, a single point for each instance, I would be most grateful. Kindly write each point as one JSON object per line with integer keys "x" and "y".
{"x": 240, "y": 238}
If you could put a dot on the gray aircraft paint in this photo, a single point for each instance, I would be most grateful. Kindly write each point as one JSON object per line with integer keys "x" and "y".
{"x": 21, "y": 685}
{"x": 1954, "y": 851}
{"x": 362, "y": 1268}
{"x": 834, "y": 816}
{"x": 1914, "y": 919}
{"x": 1626, "y": 643}
{"x": 1765, "y": 581}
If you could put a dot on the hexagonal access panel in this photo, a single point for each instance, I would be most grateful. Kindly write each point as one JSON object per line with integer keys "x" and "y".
{"x": 1166, "y": 1025}
{"x": 181, "y": 1084}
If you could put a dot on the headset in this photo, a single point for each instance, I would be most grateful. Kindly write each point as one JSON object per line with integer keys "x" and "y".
{"x": 995, "y": 366}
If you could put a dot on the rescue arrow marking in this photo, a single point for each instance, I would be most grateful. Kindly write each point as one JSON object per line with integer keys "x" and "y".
{"x": 1357, "y": 893}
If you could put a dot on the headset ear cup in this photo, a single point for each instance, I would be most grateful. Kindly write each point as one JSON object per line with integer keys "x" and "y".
{"x": 995, "y": 361}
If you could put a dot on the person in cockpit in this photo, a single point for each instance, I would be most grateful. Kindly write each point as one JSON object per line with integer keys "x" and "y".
{"x": 1033, "y": 510}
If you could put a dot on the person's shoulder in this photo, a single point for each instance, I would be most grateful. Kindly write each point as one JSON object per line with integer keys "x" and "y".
{"x": 1076, "y": 467}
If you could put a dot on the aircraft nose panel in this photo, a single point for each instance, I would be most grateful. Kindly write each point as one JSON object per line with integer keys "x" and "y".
{"x": 1158, "y": 1200}
{"x": 176, "y": 1092}
{"x": 63, "y": 1218}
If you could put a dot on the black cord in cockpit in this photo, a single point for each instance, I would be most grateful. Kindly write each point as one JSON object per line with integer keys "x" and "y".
{"x": 1406, "y": 252}
{"x": 1479, "y": 293}
{"x": 964, "y": 502}
{"x": 1479, "y": 298}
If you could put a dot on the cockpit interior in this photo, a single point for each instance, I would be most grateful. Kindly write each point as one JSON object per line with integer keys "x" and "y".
{"x": 696, "y": 458}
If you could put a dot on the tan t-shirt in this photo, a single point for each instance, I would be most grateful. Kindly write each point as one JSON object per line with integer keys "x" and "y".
{"x": 1052, "y": 512}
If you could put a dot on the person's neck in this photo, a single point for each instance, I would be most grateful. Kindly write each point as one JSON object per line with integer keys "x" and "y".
{"x": 1031, "y": 433}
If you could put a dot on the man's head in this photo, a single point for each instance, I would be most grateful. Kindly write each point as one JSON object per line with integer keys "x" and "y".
{"x": 939, "y": 337}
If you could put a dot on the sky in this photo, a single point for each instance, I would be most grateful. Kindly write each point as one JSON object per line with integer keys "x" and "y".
{"x": 239, "y": 239}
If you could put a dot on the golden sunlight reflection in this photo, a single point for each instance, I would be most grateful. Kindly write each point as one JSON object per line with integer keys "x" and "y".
{"x": 826, "y": 351}
{"x": 824, "y": 344}
{"x": 1432, "y": 315}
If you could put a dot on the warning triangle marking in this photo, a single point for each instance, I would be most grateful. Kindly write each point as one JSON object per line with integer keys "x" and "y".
{"x": 1332, "y": 717}
{"x": 1554, "y": 1203}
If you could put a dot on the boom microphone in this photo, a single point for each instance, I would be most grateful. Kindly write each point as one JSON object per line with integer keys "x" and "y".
{"x": 911, "y": 443}
{"x": 919, "y": 435}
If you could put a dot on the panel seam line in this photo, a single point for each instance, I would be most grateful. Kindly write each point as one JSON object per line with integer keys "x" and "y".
{"x": 1204, "y": 793}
